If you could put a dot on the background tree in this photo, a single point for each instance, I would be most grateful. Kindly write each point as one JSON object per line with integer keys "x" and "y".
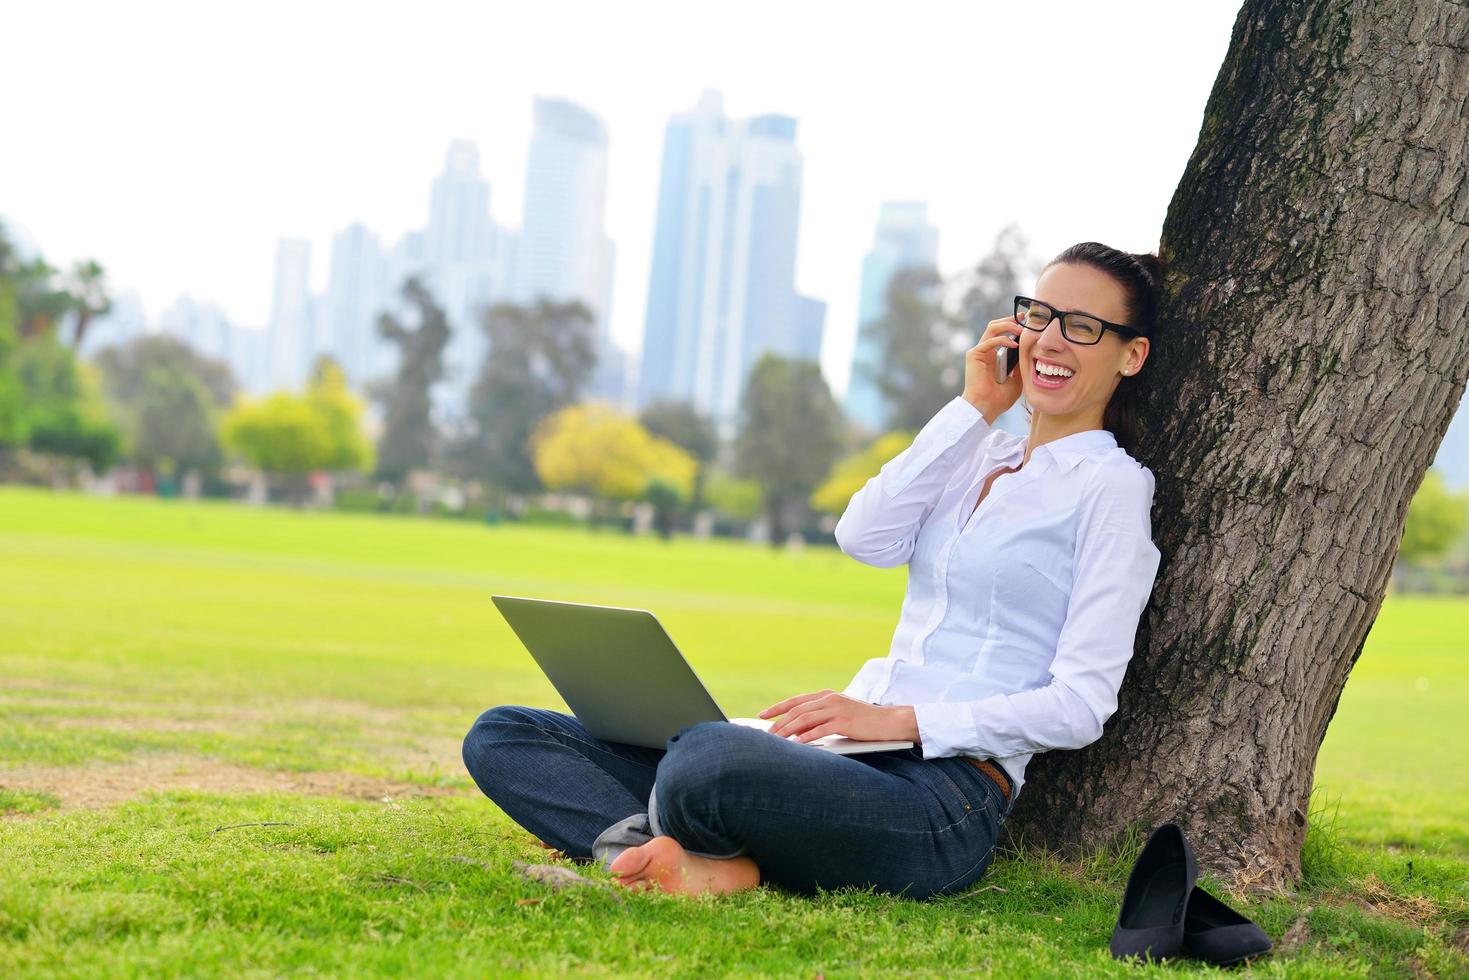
{"x": 341, "y": 413}
{"x": 40, "y": 303}
{"x": 916, "y": 342}
{"x": 853, "y": 472}
{"x": 12, "y": 424}
{"x": 672, "y": 478}
{"x": 62, "y": 408}
{"x": 47, "y": 401}
{"x": 168, "y": 400}
{"x": 683, "y": 425}
{"x": 739, "y": 499}
{"x": 86, "y": 285}
{"x": 43, "y": 298}
{"x": 125, "y": 369}
{"x": 173, "y": 425}
{"x": 540, "y": 357}
{"x": 1435, "y": 521}
{"x": 665, "y": 499}
{"x": 409, "y": 440}
{"x": 919, "y": 343}
{"x": 289, "y": 436}
{"x": 282, "y": 435}
{"x": 790, "y": 432}
{"x": 595, "y": 450}
{"x": 1284, "y": 468}
{"x": 989, "y": 288}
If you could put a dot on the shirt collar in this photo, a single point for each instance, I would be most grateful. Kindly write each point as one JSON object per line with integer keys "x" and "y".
{"x": 1070, "y": 450}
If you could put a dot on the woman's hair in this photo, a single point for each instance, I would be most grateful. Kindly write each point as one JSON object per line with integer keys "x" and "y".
{"x": 1141, "y": 279}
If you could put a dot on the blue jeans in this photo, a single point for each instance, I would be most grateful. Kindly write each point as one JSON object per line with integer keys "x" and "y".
{"x": 891, "y": 821}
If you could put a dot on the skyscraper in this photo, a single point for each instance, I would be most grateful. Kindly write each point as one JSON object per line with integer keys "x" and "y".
{"x": 459, "y": 209}
{"x": 722, "y": 288}
{"x": 203, "y": 326}
{"x": 462, "y": 256}
{"x": 208, "y": 330}
{"x": 563, "y": 252}
{"x": 291, "y": 342}
{"x": 250, "y": 358}
{"x": 354, "y": 296}
{"x": 903, "y": 239}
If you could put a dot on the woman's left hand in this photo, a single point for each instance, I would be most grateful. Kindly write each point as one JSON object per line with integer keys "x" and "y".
{"x": 813, "y": 716}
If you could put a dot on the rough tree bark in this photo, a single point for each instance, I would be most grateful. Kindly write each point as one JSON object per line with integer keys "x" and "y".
{"x": 1313, "y": 348}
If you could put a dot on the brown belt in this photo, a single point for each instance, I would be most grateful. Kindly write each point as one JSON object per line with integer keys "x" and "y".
{"x": 994, "y": 772}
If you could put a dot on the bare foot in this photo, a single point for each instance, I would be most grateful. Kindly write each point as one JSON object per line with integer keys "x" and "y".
{"x": 663, "y": 863}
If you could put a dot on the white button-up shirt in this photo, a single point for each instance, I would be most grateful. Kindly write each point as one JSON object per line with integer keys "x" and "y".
{"x": 1019, "y": 617}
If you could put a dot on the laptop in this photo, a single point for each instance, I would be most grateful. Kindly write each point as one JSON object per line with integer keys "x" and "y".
{"x": 619, "y": 672}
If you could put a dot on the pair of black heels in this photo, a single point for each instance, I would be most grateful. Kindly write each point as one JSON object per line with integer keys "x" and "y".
{"x": 1164, "y": 913}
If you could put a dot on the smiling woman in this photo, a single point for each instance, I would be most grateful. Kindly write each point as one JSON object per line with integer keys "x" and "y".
{"x": 1109, "y": 330}
{"x": 1030, "y": 562}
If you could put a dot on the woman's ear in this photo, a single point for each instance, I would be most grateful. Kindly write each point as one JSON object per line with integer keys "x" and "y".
{"x": 1137, "y": 354}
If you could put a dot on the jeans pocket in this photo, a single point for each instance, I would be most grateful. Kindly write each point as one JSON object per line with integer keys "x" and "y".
{"x": 962, "y": 797}
{"x": 988, "y": 790}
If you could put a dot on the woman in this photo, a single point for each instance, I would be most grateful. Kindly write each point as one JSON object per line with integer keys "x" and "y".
{"x": 1030, "y": 561}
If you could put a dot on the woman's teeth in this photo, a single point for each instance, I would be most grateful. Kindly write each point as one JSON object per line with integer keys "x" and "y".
{"x": 1057, "y": 379}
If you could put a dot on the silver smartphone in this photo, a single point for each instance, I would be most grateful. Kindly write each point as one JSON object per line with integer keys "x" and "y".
{"x": 1005, "y": 359}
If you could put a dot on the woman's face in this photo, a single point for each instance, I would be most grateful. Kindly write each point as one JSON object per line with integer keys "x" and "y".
{"x": 1096, "y": 368}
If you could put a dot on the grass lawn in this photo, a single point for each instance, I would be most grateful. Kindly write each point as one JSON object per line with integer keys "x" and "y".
{"x": 229, "y": 743}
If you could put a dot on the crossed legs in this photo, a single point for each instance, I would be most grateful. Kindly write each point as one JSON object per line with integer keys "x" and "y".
{"x": 735, "y": 805}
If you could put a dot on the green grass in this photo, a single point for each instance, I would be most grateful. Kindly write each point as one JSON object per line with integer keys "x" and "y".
{"x": 169, "y": 669}
{"x": 16, "y": 801}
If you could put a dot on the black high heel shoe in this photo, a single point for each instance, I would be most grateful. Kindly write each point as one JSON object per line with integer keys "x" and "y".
{"x": 1216, "y": 933}
{"x": 1151, "y": 921}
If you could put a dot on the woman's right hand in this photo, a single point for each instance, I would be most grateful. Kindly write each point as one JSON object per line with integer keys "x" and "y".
{"x": 980, "y": 388}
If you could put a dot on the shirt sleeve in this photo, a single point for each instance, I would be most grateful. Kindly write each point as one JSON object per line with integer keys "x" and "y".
{"x": 882, "y": 519}
{"x": 1113, "y": 577}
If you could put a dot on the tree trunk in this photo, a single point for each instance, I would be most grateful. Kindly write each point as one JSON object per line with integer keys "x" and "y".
{"x": 84, "y": 319}
{"x": 774, "y": 513}
{"x": 296, "y": 486}
{"x": 1312, "y": 351}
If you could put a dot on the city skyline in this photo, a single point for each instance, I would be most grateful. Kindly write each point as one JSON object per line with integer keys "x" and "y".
{"x": 359, "y": 270}
{"x": 466, "y": 259}
{"x": 220, "y": 167}
{"x": 746, "y": 172}
{"x": 722, "y": 289}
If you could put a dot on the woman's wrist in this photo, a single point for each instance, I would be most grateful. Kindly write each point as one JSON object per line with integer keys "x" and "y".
{"x": 989, "y": 412}
{"x": 905, "y": 723}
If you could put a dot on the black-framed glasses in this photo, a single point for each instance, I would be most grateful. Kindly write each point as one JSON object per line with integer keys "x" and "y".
{"x": 1079, "y": 328}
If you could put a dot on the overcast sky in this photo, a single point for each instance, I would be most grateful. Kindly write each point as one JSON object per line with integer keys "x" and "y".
{"x": 176, "y": 143}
